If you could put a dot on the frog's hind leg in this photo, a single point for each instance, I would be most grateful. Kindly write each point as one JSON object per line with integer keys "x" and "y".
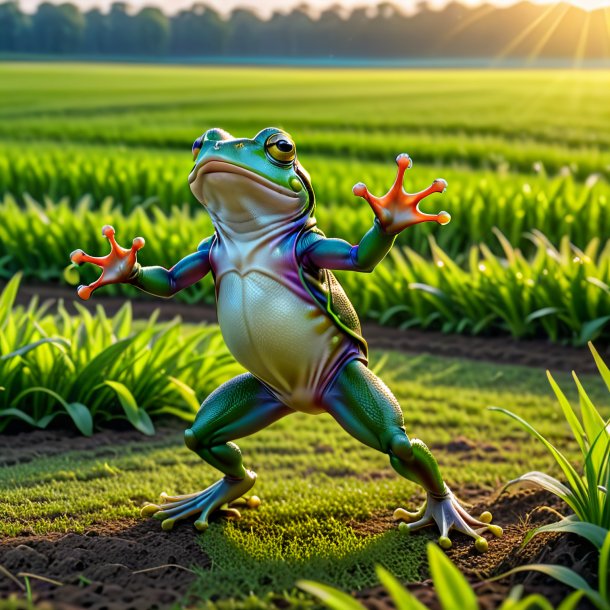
{"x": 365, "y": 407}
{"x": 236, "y": 409}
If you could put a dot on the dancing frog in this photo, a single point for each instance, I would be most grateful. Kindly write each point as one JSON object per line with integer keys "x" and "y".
{"x": 286, "y": 319}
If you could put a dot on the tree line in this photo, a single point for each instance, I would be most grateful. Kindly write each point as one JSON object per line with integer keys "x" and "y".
{"x": 518, "y": 31}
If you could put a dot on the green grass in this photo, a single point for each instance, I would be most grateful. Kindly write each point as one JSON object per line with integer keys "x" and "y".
{"x": 558, "y": 291}
{"x": 318, "y": 485}
{"x": 94, "y": 369}
{"x": 167, "y": 104}
{"x": 477, "y": 199}
{"x": 522, "y": 151}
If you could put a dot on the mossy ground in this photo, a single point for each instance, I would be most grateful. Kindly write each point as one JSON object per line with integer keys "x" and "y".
{"x": 322, "y": 491}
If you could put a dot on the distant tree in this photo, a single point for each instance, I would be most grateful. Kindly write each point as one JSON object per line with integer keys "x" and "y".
{"x": 120, "y": 30}
{"x": 13, "y": 27}
{"x": 96, "y": 32}
{"x": 57, "y": 29}
{"x": 328, "y": 34}
{"x": 246, "y": 33}
{"x": 523, "y": 30}
{"x": 151, "y": 32}
{"x": 198, "y": 31}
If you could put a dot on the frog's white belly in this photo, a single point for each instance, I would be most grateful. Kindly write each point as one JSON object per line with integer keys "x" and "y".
{"x": 279, "y": 335}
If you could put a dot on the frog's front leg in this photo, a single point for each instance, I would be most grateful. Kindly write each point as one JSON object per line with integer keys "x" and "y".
{"x": 365, "y": 407}
{"x": 397, "y": 209}
{"x": 236, "y": 409}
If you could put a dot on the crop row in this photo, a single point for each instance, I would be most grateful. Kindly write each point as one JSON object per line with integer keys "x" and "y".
{"x": 479, "y": 151}
{"x": 94, "y": 369}
{"x": 557, "y": 292}
{"x": 564, "y": 108}
{"x": 477, "y": 201}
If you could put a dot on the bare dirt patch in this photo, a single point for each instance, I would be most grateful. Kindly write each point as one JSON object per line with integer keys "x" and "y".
{"x": 122, "y": 565}
{"x": 22, "y": 447}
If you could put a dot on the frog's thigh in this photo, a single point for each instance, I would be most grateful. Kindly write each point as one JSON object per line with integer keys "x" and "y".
{"x": 236, "y": 409}
{"x": 366, "y": 408}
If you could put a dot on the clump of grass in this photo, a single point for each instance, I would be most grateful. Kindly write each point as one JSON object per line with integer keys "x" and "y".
{"x": 559, "y": 292}
{"x": 585, "y": 493}
{"x": 452, "y": 589}
{"x": 95, "y": 369}
{"x": 273, "y": 557}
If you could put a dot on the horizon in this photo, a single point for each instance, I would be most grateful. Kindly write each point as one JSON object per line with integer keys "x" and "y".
{"x": 266, "y": 7}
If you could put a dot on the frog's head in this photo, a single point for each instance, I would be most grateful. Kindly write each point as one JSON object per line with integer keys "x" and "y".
{"x": 258, "y": 180}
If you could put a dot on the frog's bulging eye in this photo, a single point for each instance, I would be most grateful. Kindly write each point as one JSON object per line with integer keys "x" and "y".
{"x": 280, "y": 148}
{"x": 197, "y": 144}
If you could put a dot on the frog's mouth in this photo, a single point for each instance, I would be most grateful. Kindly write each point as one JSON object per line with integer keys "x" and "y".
{"x": 220, "y": 166}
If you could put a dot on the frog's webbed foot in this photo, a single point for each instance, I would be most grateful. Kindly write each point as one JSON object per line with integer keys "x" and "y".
{"x": 397, "y": 209}
{"x": 447, "y": 513}
{"x": 215, "y": 498}
{"x": 116, "y": 266}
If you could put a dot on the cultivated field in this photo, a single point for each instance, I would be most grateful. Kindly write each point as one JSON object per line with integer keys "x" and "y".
{"x": 523, "y": 151}
{"x": 527, "y": 256}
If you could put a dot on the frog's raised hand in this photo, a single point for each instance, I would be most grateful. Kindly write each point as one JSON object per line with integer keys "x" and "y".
{"x": 117, "y": 266}
{"x": 397, "y": 209}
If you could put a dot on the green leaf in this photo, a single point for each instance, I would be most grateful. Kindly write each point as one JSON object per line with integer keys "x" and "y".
{"x": 333, "y": 598}
{"x": 577, "y": 429}
{"x": 137, "y": 417}
{"x": 71, "y": 275}
{"x": 562, "y": 574}
{"x": 593, "y": 533}
{"x": 402, "y": 598}
{"x": 547, "y": 483}
{"x": 7, "y": 298}
{"x": 574, "y": 480}
{"x": 22, "y": 415}
{"x": 81, "y": 416}
{"x": 541, "y": 313}
{"x": 452, "y": 588}
{"x": 592, "y": 420}
{"x": 601, "y": 365}
{"x": 572, "y": 601}
{"x": 592, "y": 328}
{"x": 187, "y": 393}
{"x": 22, "y": 351}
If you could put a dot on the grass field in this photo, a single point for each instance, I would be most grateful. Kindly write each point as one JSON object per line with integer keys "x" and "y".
{"x": 521, "y": 150}
{"x": 319, "y": 486}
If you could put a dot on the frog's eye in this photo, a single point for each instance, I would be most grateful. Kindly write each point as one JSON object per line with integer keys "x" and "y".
{"x": 197, "y": 144}
{"x": 280, "y": 148}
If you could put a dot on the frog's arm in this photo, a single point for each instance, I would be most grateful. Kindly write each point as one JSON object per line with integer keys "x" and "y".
{"x": 315, "y": 250}
{"x": 167, "y": 282}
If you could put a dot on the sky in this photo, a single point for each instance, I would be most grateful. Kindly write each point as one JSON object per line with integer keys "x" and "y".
{"x": 265, "y": 7}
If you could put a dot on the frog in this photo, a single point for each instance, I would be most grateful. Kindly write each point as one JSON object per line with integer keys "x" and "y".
{"x": 286, "y": 319}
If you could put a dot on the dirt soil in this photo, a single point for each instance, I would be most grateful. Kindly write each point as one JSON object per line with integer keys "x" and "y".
{"x": 500, "y": 349}
{"x": 133, "y": 564}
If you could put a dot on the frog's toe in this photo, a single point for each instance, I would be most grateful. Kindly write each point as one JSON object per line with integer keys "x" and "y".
{"x": 449, "y": 515}
{"x": 202, "y": 503}
{"x": 400, "y": 514}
